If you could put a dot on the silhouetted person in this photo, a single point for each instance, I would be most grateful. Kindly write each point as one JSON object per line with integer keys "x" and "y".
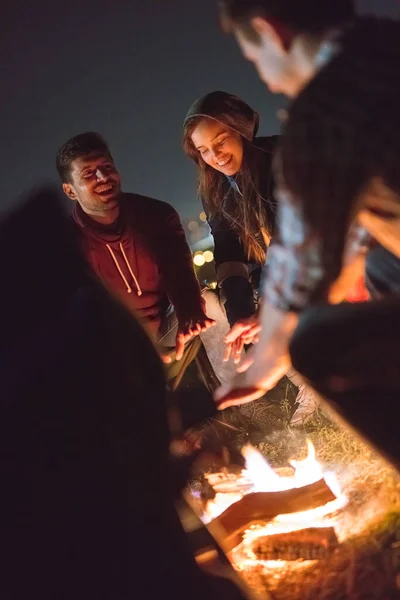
{"x": 86, "y": 499}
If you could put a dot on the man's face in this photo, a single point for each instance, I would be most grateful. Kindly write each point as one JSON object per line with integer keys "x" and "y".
{"x": 96, "y": 184}
{"x": 272, "y": 60}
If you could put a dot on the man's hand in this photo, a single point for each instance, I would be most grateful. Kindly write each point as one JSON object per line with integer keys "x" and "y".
{"x": 243, "y": 332}
{"x": 252, "y": 384}
{"x": 189, "y": 328}
{"x": 239, "y": 391}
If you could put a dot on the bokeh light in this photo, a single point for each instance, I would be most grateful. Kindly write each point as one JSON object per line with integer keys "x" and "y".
{"x": 203, "y": 217}
{"x": 208, "y": 256}
{"x": 199, "y": 259}
{"x": 193, "y": 226}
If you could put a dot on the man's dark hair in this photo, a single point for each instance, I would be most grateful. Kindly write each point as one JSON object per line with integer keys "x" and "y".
{"x": 301, "y": 16}
{"x": 81, "y": 145}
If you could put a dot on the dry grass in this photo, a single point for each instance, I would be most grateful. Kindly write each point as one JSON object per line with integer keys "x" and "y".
{"x": 361, "y": 472}
{"x": 366, "y": 566}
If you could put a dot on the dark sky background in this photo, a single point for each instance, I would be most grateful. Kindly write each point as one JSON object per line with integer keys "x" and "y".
{"x": 128, "y": 69}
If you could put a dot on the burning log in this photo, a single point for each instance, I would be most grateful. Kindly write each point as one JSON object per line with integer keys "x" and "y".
{"x": 258, "y": 507}
{"x": 315, "y": 543}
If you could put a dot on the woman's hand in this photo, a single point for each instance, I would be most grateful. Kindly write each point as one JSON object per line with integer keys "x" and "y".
{"x": 243, "y": 332}
{"x": 265, "y": 364}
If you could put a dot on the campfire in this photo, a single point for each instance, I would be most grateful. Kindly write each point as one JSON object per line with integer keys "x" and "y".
{"x": 265, "y": 516}
{"x": 305, "y": 529}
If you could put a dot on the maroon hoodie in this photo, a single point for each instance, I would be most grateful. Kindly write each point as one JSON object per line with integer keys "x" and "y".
{"x": 143, "y": 258}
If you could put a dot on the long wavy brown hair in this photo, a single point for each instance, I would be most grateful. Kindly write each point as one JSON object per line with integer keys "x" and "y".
{"x": 252, "y": 216}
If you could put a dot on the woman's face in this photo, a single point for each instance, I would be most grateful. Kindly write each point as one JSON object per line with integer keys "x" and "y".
{"x": 219, "y": 146}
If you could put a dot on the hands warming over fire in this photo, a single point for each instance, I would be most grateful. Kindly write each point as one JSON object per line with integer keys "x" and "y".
{"x": 189, "y": 328}
{"x": 243, "y": 332}
{"x": 265, "y": 364}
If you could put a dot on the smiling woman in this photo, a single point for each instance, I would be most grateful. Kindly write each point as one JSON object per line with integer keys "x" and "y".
{"x": 219, "y": 146}
{"x": 235, "y": 185}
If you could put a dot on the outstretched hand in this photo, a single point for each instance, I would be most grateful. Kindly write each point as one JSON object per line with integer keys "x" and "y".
{"x": 239, "y": 391}
{"x": 243, "y": 332}
{"x": 189, "y": 328}
{"x": 247, "y": 386}
{"x": 265, "y": 364}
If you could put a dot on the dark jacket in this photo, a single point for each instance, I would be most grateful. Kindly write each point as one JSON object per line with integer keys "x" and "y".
{"x": 86, "y": 508}
{"x": 237, "y": 276}
{"x": 143, "y": 258}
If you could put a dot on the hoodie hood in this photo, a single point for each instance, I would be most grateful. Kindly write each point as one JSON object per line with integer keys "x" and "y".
{"x": 113, "y": 238}
{"x": 228, "y": 110}
{"x": 143, "y": 258}
{"x": 116, "y": 232}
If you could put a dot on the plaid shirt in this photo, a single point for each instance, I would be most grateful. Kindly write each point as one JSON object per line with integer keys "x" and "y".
{"x": 295, "y": 275}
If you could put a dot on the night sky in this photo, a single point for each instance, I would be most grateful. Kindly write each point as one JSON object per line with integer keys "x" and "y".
{"x": 127, "y": 69}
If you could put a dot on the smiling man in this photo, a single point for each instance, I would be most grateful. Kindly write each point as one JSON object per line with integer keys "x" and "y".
{"x": 134, "y": 244}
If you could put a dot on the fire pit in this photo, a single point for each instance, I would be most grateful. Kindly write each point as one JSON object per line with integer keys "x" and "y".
{"x": 341, "y": 543}
{"x": 261, "y": 514}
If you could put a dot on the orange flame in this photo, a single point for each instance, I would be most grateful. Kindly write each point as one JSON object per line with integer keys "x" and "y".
{"x": 259, "y": 476}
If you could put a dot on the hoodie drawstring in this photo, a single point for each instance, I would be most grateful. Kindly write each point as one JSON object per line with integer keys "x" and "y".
{"x": 128, "y": 287}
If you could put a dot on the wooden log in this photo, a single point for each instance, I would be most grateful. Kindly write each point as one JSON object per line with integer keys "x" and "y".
{"x": 207, "y": 558}
{"x": 313, "y": 543}
{"x": 263, "y": 507}
{"x": 226, "y": 482}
